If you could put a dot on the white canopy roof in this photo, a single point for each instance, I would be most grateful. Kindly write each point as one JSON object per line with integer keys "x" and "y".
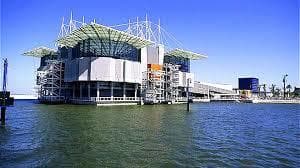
{"x": 184, "y": 54}
{"x": 94, "y": 30}
{"x": 40, "y": 52}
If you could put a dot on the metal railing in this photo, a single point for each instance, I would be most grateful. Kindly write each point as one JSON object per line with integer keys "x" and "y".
{"x": 103, "y": 99}
{"x": 52, "y": 98}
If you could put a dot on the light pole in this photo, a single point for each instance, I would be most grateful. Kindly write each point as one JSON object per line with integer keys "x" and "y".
{"x": 4, "y": 95}
{"x": 284, "y": 81}
{"x": 188, "y": 94}
{"x": 265, "y": 90}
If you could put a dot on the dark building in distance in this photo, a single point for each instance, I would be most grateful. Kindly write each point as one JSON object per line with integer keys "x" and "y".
{"x": 297, "y": 92}
{"x": 249, "y": 84}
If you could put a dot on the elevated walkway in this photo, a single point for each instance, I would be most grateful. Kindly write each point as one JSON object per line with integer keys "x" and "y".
{"x": 200, "y": 88}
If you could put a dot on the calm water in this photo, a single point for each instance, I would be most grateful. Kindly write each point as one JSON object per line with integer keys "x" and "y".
{"x": 211, "y": 135}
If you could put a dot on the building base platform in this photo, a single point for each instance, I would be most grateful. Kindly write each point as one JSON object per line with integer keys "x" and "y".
{"x": 117, "y": 104}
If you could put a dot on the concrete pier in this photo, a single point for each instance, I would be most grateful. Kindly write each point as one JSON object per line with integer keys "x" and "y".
{"x": 279, "y": 101}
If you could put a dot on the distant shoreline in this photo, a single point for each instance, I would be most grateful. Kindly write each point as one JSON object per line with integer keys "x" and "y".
{"x": 254, "y": 101}
{"x": 276, "y": 101}
{"x": 24, "y": 97}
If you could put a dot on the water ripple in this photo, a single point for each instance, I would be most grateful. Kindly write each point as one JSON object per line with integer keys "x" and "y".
{"x": 211, "y": 135}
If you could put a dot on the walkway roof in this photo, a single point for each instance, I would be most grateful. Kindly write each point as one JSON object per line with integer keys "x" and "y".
{"x": 98, "y": 31}
{"x": 40, "y": 52}
{"x": 184, "y": 54}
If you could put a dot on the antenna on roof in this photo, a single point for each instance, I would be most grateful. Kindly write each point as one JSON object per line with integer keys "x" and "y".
{"x": 62, "y": 28}
{"x": 146, "y": 36}
{"x": 72, "y": 25}
{"x": 149, "y": 30}
{"x": 129, "y": 27}
{"x": 83, "y": 21}
{"x": 71, "y": 17}
{"x": 137, "y": 26}
{"x": 159, "y": 32}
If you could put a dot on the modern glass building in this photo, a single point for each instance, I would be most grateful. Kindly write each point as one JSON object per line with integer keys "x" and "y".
{"x": 251, "y": 84}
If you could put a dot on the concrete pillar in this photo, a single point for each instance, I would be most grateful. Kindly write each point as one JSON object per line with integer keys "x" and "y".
{"x": 124, "y": 91}
{"x": 135, "y": 90}
{"x": 89, "y": 90}
{"x": 98, "y": 90}
{"x": 3, "y": 109}
{"x": 141, "y": 98}
{"x": 208, "y": 96}
{"x": 80, "y": 90}
{"x": 111, "y": 91}
{"x": 74, "y": 87}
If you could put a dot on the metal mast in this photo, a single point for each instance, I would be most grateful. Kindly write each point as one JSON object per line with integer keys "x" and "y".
{"x": 4, "y": 75}
{"x": 147, "y": 28}
{"x": 159, "y": 32}
{"x": 5, "y": 99}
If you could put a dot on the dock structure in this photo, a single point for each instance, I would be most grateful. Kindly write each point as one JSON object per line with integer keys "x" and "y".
{"x": 123, "y": 64}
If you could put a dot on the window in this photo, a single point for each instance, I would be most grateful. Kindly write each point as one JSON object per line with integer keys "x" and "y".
{"x": 106, "y": 48}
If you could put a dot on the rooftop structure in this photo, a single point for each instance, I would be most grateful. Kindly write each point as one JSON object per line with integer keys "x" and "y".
{"x": 97, "y": 32}
{"x": 184, "y": 54}
{"x": 40, "y": 52}
{"x": 127, "y": 63}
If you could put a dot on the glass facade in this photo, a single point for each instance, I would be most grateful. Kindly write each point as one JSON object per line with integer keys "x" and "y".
{"x": 183, "y": 62}
{"x": 249, "y": 84}
{"x": 63, "y": 52}
{"x": 45, "y": 58}
{"x": 105, "y": 48}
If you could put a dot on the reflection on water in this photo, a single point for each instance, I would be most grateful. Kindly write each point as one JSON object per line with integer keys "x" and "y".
{"x": 211, "y": 135}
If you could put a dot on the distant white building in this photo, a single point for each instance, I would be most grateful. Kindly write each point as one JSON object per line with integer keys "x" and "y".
{"x": 208, "y": 90}
{"x": 216, "y": 85}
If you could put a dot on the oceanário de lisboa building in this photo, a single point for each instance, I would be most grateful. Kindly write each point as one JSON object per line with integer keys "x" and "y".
{"x": 124, "y": 64}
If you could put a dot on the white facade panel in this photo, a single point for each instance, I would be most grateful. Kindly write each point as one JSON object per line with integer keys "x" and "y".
{"x": 152, "y": 55}
{"x": 112, "y": 71}
{"x": 128, "y": 71}
{"x": 155, "y": 55}
{"x": 180, "y": 81}
{"x": 132, "y": 72}
{"x": 117, "y": 70}
{"x": 103, "y": 69}
{"x": 143, "y": 67}
{"x": 161, "y": 53}
{"x": 136, "y": 74}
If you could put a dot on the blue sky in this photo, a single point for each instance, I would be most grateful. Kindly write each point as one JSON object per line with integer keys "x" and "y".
{"x": 257, "y": 38}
